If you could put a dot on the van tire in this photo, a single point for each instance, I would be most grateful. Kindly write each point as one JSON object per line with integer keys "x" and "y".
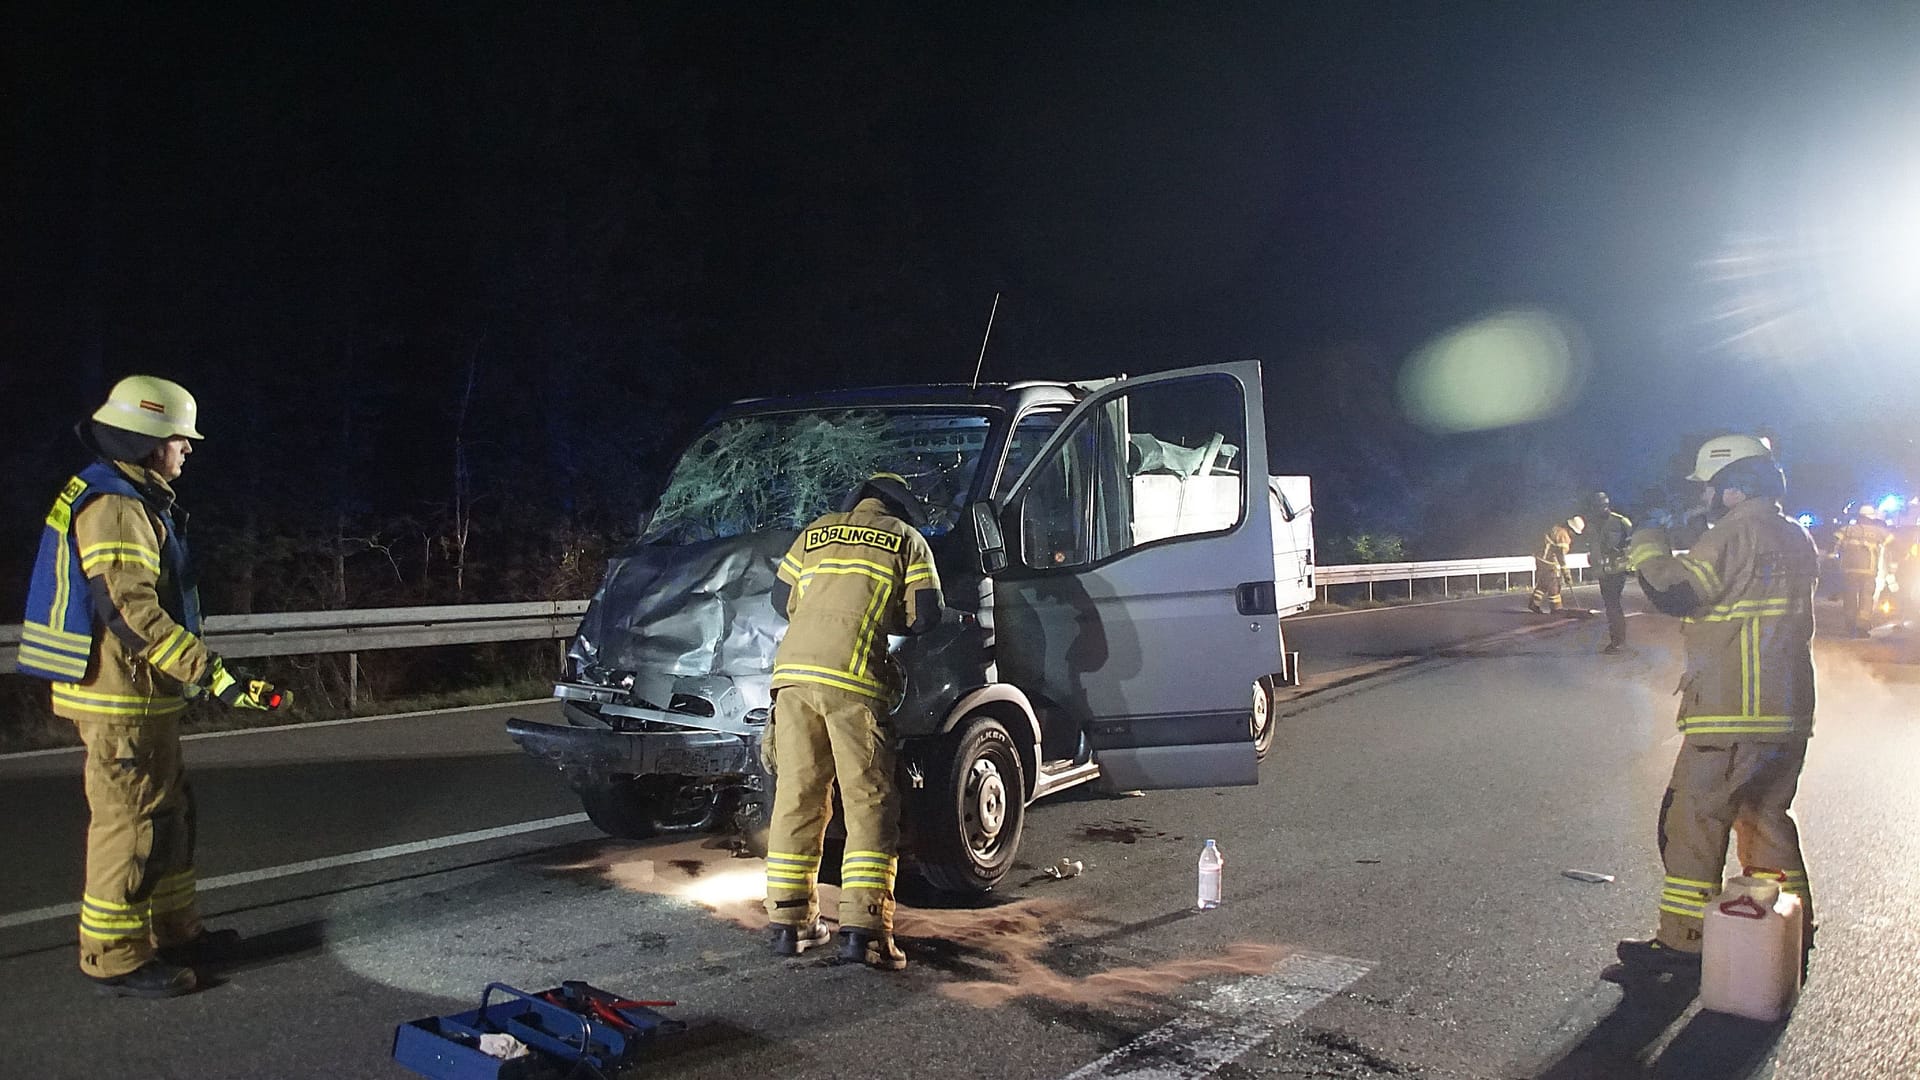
{"x": 1261, "y": 721}
{"x": 969, "y": 817}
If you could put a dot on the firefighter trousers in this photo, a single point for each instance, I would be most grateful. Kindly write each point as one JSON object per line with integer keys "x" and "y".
{"x": 1744, "y": 790}
{"x": 1546, "y": 586}
{"x": 140, "y": 886}
{"x": 1611, "y": 587}
{"x": 821, "y": 735}
{"x": 1859, "y": 592}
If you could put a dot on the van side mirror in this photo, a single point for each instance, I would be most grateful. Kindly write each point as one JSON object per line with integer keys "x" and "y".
{"x": 986, "y": 537}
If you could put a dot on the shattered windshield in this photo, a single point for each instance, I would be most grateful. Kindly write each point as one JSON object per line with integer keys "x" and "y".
{"x": 782, "y": 470}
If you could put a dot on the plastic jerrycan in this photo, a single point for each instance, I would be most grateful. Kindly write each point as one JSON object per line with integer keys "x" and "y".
{"x": 1750, "y": 952}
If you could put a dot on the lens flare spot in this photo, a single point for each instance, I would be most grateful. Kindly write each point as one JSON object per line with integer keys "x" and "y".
{"x": 1508, "y": 368}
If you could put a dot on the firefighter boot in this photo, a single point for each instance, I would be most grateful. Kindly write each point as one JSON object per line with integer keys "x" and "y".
{"x": 874, "y": 948}
{"x": 154, "y": 979}
{"x": 791, "y": 940}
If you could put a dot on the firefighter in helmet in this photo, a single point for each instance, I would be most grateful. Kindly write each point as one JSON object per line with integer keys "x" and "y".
{"x": 113, "y": 621}
{"x": 1745, "y": 590}
{"x": 1607, "y": 550}
{"x": 850, "y": 579}
{"x": 1550, "y": 565}
{"x": 1862, "y": 548}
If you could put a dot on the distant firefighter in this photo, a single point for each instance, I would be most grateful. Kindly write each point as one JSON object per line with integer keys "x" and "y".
{"x": 1862, "y": 547}
{"x": 1607, "y": 551}
{"x": 1550, "y": 565}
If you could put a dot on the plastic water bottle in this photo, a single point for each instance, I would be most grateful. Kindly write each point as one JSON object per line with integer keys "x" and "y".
{"x": 1210, "y": 863}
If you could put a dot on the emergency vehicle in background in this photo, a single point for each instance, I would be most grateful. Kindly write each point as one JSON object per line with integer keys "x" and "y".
{"x": 1118, "y": 555}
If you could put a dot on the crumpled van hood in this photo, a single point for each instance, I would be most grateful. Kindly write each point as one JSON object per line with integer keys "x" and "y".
{"x": 687, "y": 609}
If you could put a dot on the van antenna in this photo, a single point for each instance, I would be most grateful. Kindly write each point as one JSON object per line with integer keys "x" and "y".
{"x": 983, "y": 342}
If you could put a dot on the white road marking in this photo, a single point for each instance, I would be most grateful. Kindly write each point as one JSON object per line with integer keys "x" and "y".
{"x": 1236, "y": 1018}
{"x": 308, "y": 726}
{"x": 392, "y": 851}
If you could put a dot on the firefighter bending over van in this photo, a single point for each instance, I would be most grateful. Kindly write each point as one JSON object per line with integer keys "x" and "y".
{"x": 849, "y": 580}
{"x": 1550, "y": 565}
{"x": 1745, "y": 591}
{"x": 113, "y": 621}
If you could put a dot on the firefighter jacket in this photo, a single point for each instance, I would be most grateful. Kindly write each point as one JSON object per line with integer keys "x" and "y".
{"x": 1861, "y": 546}
{"x": 855, "y": 577}
{"x": 1609, "y": 551}
{"x": 1554, "y": 547}
{"x": 113, "y": 615}
{"x": 1745, "y": 590}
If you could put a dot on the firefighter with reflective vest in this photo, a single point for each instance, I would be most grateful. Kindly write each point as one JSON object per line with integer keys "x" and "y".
{"x": 849, "y": 580}
{"x": 1607, "y": 551}
{"x": 1745, "y": 593}
{"x": 1550, "y": 565}
{"x": 1862, "y": 547}
{"x": 113, "y": 621}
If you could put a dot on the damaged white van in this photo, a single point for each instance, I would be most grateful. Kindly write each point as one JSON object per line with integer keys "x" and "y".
{"x": 1115, "y": 555}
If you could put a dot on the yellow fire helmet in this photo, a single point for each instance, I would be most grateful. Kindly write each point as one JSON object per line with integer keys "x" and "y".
{"x": 1723, "y": 450}
{"x": 152, "y": 406}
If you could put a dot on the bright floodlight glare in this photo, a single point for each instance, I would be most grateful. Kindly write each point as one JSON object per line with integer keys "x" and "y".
{"x": 1512, "y": 367}
{"x": 1892, "y": 504}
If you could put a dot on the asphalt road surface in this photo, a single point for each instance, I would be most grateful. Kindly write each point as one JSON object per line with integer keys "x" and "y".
{"x": 1395, "y": 903}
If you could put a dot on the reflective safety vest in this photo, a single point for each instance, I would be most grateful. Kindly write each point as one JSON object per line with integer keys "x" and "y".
{"x": 57, "y": 634}
{"x": 1749, "y": 632}
{"x": 855, "y": 577}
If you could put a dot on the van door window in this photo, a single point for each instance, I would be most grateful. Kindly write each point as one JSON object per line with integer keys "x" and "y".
{"x": 1155, "y": 463}
{"x": 1028, "y": 436}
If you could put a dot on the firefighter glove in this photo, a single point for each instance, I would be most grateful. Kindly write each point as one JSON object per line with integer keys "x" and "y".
{"x": 238, "y": 690}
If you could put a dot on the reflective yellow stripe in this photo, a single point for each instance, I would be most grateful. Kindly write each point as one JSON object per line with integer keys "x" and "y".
{"x": 919, "y": 572}
{"x": 1702, "y": 573}
{"x": 1739, "y": 725}
{"x": 826, "y": 676}
{"x": 87, "y": 931}
{"x": 1689, "y": 883}
{"x": 54, "y": 637}
{"x": 868, "y": 870}
{"x": 171, "y": 648}
{"x": 94, "y": 556}
{"x": 115, "y": 704}
{"x": 867, "y": 637}
{"x": 58, "y": 663}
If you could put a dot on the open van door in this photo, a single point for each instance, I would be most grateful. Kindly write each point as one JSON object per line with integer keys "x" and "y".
{"x": 1138, "y": 599}
{"x": 1290, "y": 498}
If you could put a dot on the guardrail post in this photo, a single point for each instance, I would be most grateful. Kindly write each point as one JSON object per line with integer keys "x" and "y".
{"x": 1409, "y": 586}
{"x": 1446, "y": 586}
{"x": 353, "y": 680}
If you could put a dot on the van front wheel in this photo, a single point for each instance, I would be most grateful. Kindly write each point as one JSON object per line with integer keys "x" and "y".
{"x": 969, "y": 817}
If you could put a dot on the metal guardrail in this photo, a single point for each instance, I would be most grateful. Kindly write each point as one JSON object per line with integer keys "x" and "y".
{"x": 1444, "y": 569}
{"x": 357, "y": 630}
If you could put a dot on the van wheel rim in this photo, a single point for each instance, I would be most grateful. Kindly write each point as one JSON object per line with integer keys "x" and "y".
{"x": 986, "y": 806}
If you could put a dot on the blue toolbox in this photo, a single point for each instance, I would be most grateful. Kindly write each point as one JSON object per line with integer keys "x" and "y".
{"x": 571, "y": 1030}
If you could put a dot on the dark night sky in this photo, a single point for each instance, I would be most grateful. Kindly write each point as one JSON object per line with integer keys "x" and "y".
{"x": 618, "y": 216}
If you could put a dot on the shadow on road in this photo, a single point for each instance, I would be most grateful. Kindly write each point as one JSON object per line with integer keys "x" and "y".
{"x": 1711, "y": 1046}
